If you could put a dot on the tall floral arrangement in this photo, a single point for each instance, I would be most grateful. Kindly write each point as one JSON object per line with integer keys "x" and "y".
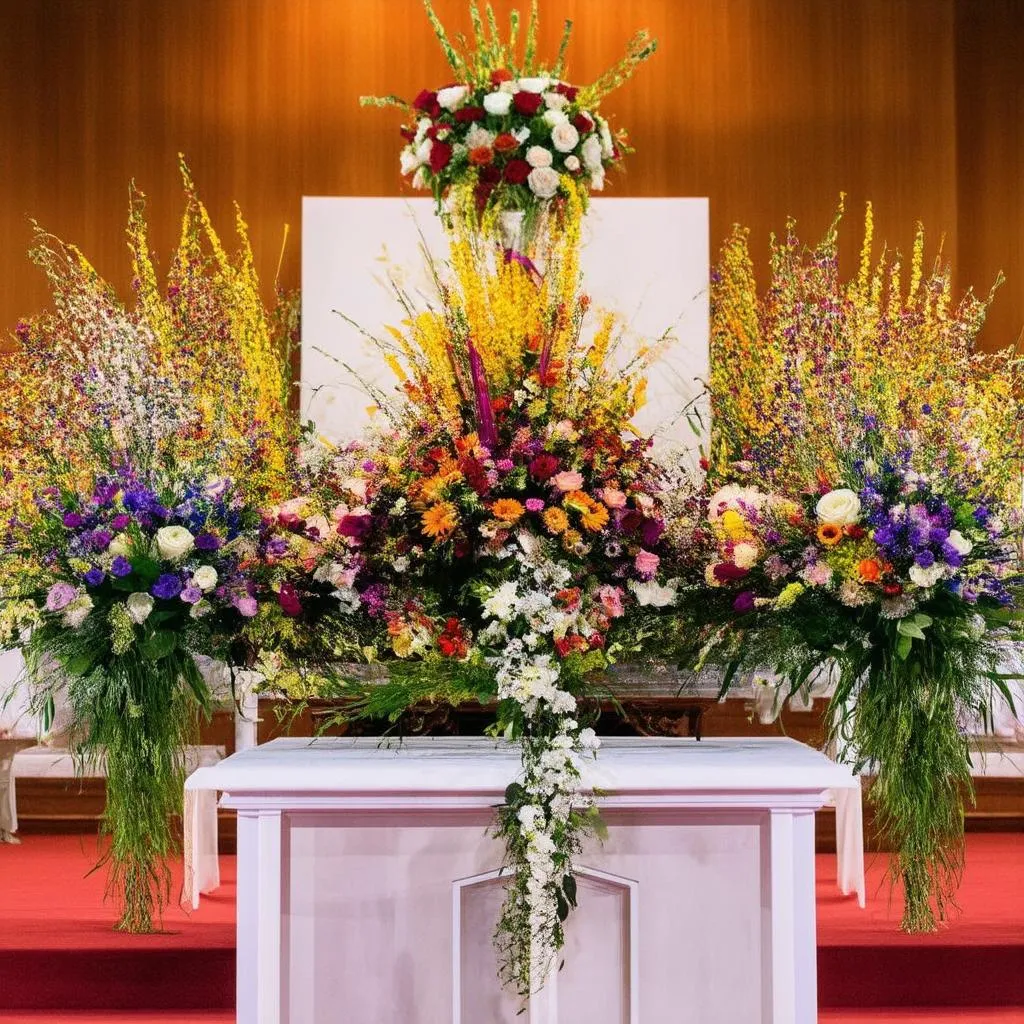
{"x": 869, "y": 522}
{"x": 130, "y": 526}
{"x": 509, "y": 133}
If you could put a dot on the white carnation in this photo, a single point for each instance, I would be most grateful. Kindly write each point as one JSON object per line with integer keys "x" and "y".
{"x": 745, "y": 554}
{"x": 478, "y": 136}
{"x": 564, "y": 137}
{"x": 497, "y": 104}
{"x": 139, "y": 606}
{"x": 926, "y": 577}
{"x": 174, "y": 542}
{"x": 653, "y": 594}
{"x": 543, "y": 182}
{"x": 555, "y": 117}
{"x": 555, "y": 101}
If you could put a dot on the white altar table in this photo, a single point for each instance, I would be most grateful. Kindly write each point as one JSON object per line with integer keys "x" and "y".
{"x": 368, "y": 886}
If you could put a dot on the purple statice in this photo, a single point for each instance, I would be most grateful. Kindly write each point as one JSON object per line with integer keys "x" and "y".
{"x": 167, "y": 586}
{"x": 277, "y": 547}
{"x": 208, "y": 542}
{"x": 105, "y": 493}
{"x": 120, "y": 522}
{"x": 120, "y": 567}
{"x": 951, "y": 556}
{"x": 744, "y": 602}
{"x": 72, "y": 520}
{"x": 95, "y": 576}
{"x": 981, "y": 515}
{"x": 140, "y": 499}
{"x": 938, "y": 535}
{"x": 100, "y": 540}
{"x": 373, "y": 598}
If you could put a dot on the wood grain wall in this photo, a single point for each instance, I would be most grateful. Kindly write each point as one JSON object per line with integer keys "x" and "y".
{"x": 770, "y": 107}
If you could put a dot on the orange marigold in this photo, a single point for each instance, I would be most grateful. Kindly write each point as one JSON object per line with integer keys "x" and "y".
{"x": 555, "y": 520}
{"x": 508, "y": 510}
{"x": 440, "y": 520}
{"x": 829, "y": 534}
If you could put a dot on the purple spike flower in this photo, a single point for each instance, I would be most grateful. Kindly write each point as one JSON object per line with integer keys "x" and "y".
{"x": 486, "y": 424}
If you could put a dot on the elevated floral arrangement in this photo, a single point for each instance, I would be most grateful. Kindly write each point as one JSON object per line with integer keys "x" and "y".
{"x": 502, "y": 540}
{"x": 868, "y": 524}
{"x": 133, "y": 480}
{"x": 509, "y": 133}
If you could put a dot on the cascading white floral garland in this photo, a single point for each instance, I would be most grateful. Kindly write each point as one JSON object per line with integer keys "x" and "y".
{"x": 545, "y": 814}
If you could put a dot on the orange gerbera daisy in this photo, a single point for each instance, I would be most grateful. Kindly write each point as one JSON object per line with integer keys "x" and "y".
{"x": 555, "y": 520}
{"x": 440, "y": 520}
{"x": 508, "y": 510}
{"x": 595, "y": 518}
{"x": 829, "y": 534}
{"x": 481, "y": 156}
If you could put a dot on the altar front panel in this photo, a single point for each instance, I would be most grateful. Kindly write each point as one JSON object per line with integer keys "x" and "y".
{"x": 386, "y": 924}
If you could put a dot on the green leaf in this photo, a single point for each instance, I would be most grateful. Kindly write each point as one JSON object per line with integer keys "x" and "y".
{"x": 563, "y": 907}
{"x": 79, "y": 664}
{"x": 158, "y": 645}
{"x": 909, "y": 628}
{"x": 514, "y": 794}
{"x": 903, "y": 646}
{"x": 569, "y": 888}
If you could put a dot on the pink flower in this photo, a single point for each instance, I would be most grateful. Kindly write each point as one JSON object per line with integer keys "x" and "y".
{"x": 613, "y": 497}
{"x": 611, "y": 600}
{"x": 60, "y": 596}
{"x": 568, "y": 480}
{"x": 534, "y": 505}
{"x": 246, "y": 606}
{"x": 646, "y": 563}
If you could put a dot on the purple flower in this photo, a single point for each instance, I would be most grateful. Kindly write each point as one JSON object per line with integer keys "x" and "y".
{"x": 981, "y": 514}
{"x": 534, "y": 504}
{"x": 277, "y": 546}
{"x": 373, "y": 599}
{"x": 938, "y": 535}
{"x": 120, "y": 522}
{"x": 95, "y": 576}
{"x": 504, "y": 465}
{"x": 191, "y": 594}
{"x": 207, "y": 542}
{"x": 744, "y": 602}
{"x": 60, "y": 595}
{"x": 951, "y": 556}
{"x": 100, "y": 540}
{"x": 924, "y": 559}
{"x": 246, "y": 605}
{"x": 926, "y": 409}
{"x": 167, "y": 586}
{"x": 486, "y": 425}
{"x": 139, "y": 500}
{"x": 355, "y": 526}
{"x": 72, "y": 520}
{"x": 651, "y": 531}
{"x": 120, "y": 567}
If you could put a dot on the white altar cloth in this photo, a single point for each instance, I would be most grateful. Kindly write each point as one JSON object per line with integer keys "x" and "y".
{"x": 367, "y": 883}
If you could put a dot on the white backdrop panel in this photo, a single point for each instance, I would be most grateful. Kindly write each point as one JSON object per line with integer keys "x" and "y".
{"x": 645, "y": 259}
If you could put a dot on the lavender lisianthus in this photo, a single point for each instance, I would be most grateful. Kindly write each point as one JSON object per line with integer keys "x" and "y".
{"x": 59, "y": 596}
{"x": 191, "y": 594}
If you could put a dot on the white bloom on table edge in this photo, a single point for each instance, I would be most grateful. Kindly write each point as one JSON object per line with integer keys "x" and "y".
{"x": 564, "y": 137}
{"x": 139, "y": 606}
{"x": 597, "y": 181}
{"x": 544, "y": 182}
{"x": 840, "y": 507}
{"x": 408, "y": 161}
{"x": 174, "y": 542}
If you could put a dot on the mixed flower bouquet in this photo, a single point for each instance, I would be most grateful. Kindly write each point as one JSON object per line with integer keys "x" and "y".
{"x": 130, "y": 532}
{"x": 501, "y": 540}
{"x": 882, "y": 547}
{"x": 509, "y": 133}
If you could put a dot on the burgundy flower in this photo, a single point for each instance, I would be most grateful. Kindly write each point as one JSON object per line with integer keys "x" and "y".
{"x": 582, "y": 124}
{"x": 490, "y": 174}
{"x": 651, "y": 531}
{"x": 568, "y": 91}
{"x": 631, "y": 521}
{"x": 427, "y": 102}
{"x": 516, "y": 172}
{"x": 744, "y": 602}
{"x": 355, "y": 526}
{"x": 440, "y": 155}
{"x": 726, "y": 572}
{"x": 288, "y": 599}
{"x": 527, "y": 103}
{"x": 543, "y": 467}
{"x": 467, "y": 114}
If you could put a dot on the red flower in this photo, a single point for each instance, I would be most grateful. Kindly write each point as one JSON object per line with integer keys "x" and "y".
{"x": 596, "y": 641}
{"x": 500, "y": 75}
{"x": 355, "y": 526}
{"x": 631, "y": 521}
{"x": 288, "y": 599}
{"x": 892, "y": 589}
{"x": 427, "y": 102}
{"x": 440, "y": 155}
{"x": 568, "y": 91}
{"x": 543, "y": 467}
{"x": 527, "y": 103}
{"x": 475, "y": 474}
{"x": 481, "y": 156}
{"x": 409, "y": 134}
{"x": 505, "y": 143}
{"x": 490, "y": 175}
{"x": 482, "y": 194}
{"x": 516, "y": 172}
{"x": 582, "y": 124}
{"x": 452, "y": 641}
{"x": 570, "y": 645}
{"x": 854, "y": 532}
{"x": 726, "y": 572}
{"x": 569, "y": 598}
{"x": 467, "y": 114}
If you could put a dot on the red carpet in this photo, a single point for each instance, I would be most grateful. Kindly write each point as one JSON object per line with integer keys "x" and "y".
{"x": 57, "y": 949}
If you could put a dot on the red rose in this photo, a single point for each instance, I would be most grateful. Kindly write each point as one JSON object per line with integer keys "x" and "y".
{"x": 527, "y": 103}
{"x": 501, "y": 75}
{"x": 543, "y": 467}
{"x": 582, "y": 124}
{"x": 467, "y": 114}
{"x": 490, "y": 175}
{"x": 568, "y": 91}
{"x": 516, "y": 172}
{"x": 440, "y": 154}
{"x": 425, "y": 100}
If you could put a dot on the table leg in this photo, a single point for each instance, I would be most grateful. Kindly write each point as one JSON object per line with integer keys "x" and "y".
{"x": 788, "y": 953}
{"x": 260, "y": 881}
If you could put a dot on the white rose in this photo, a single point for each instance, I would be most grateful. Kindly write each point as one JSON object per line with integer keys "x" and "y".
{"x": 555, "y": 117}
{"x": 564, "y": 137}
{"x": 744, "y": 555}
{"x": 408, "y": 161}
{"x": 538, "y": 156}
{"x": 926, "y": 577}
{"x": 453, "y": 97}
{"x": 205, "y": 577}
{"x": 498, "y": 103}
{"x": 543, "y": 182}
{"x": 119, "y": 545}
{"x": 959, "y": 543}
{"x": 572, "y": 163}
{"x": 838, "y": 508}
{"x": 591, "y": 153}
{"x": 174, "y": 542}
{"x": 534, "y": 84}
{"x": 139, "y": 606}
{"x": 555, "y": 101}
{"x": 78, "y": 611}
